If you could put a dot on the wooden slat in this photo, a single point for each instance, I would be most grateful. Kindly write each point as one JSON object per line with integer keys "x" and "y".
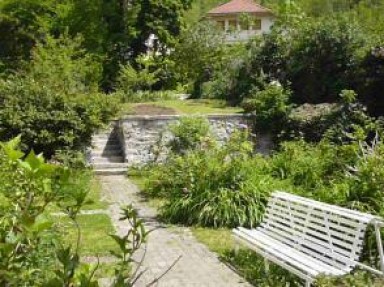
{"x": 308, "y": 240}
{"x": 316, "y": 224}
{"x": 311, "y": 230}
{"x": 288, "y": 266}
{"x": 276, "y": 248}
{"x": 322, "y": 254}
{"x": 348, "y": 222}
{"x": 348, "y": 213}
{"x": 308, "y": 237}
{"x": 333, "y": 223}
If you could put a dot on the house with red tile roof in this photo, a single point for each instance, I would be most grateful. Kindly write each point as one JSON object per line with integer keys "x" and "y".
{"x": 242, "y": 19}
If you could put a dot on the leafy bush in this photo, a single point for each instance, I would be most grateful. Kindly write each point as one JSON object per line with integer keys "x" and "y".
{"x": 371, "y": 86}
{"x": 132, "y": 80}
{"x": 270, "y": 106}
{"x": 145, "y": 96}
{"x": 335, "y": 122}
{"x": 32, "y": 253}
{"x": 63, "y": 65}
{"x": 366, "y": 181}
{"x": 216, "y": 187}
{"x": 54, "y": 103}
{"x": 27, "y": 187}
{"x": 309, "y": 121}
{"x": 49, "y": 120}
{"x": 188, "y": 134}
{"x": 149, "y": 73}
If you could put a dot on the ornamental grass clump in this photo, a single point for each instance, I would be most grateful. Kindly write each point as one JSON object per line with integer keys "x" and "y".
{"x": 216, "y": 187}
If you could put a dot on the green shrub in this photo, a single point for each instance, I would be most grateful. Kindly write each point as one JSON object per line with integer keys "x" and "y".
{"x": 215, "y": 187}
{"x": 49, "y": 120}
{"x": 270, "y": 106}
{"x": 366, "y": 179}
{"x": 371, "y": 85}
{"x": 62, "y": 65}
{"x": 27, "y": 187}
{"x": 145, "y": 96}
{"x": 188, "y": 134}
{"x": 132, "y": 80}
{"x": 309, "y": 122}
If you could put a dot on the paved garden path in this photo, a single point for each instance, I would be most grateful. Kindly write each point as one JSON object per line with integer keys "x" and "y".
{"x": 196, "y": 265}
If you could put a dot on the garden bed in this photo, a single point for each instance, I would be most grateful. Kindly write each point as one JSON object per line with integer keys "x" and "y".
{"x": 181, "y": 107}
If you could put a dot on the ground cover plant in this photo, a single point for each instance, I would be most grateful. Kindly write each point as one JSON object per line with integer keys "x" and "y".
{"x": 41, "y": 246}
{"x": 208, "y": 185}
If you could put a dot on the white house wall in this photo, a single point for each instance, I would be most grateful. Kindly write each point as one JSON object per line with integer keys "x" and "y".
{"x": 266, "y": 24}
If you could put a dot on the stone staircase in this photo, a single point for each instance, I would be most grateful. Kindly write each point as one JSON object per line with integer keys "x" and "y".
{"x": 106, "y": 155}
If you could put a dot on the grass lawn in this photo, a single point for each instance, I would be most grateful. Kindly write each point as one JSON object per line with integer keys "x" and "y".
{"x": 187, "y": 107}
{"x": 93, "y": 200}
{"x": 94, "y": 233}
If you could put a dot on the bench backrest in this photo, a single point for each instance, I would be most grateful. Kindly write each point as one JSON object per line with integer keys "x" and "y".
{"x": 329, "y": 233}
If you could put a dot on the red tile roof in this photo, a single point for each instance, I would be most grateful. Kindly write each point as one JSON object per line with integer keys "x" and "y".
{"x": 240, "y": 6}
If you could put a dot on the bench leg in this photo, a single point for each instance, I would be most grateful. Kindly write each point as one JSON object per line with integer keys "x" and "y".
{"x": 266, "y": 265}
{"x": 237, "y": 247}
{"x": 307, "y": 283}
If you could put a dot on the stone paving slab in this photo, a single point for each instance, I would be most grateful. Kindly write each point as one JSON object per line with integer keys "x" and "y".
{"x": 196, "y": 266}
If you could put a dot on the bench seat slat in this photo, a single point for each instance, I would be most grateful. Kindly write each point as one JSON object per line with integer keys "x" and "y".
{"x": 305, "y": 263}
{"x": 322, "y": 254}
{"x": 308, "y": 232}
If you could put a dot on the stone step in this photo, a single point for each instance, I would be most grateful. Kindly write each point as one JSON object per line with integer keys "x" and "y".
{"x": 106, "y": 152}
{"x": 105, "y": 140}
{"x": 107, "y": 159}
{"x": 141, "y": 142}
{"x": 111, "y": 171}
{"x": 106, "y": 134}
{"x": 107, "y": 147}
{"x": 110, "y": 165}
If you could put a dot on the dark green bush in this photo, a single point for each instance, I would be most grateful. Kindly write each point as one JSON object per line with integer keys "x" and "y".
{"x": 190, "y": 133}
{"x": 271, "y": 108}
{"x": 309, "y": 121}
{"x": 49, "y": 120}
{"x": 371, "y": 84}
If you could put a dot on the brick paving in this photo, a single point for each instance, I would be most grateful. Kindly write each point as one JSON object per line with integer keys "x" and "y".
{"x": 195, "y": 265}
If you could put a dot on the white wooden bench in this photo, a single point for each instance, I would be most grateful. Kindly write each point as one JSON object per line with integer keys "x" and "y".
{"x": 310, "y": 238}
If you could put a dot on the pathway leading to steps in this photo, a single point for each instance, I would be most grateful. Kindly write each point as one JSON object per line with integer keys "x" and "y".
{"x": 197, "y": 266}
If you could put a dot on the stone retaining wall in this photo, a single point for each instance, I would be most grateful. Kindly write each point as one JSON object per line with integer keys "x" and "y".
{"x": 140, "y": 135}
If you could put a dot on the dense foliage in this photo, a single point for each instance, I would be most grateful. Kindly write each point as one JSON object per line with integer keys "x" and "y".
{"x": 214, "y": 187}
{"x": 228, "y": 186}
{"x": 115, "y": 31}
{"x": 54, "y": 104}
{"x": 33, "y": 252}
{"x": 315, "y": 50}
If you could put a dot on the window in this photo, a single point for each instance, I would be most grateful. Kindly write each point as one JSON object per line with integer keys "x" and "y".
{"x": 244, "y": 25}
{"x": 256, "y": 25}
{"x": 221, "y": 25}
{"x": 232, "y": 25}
